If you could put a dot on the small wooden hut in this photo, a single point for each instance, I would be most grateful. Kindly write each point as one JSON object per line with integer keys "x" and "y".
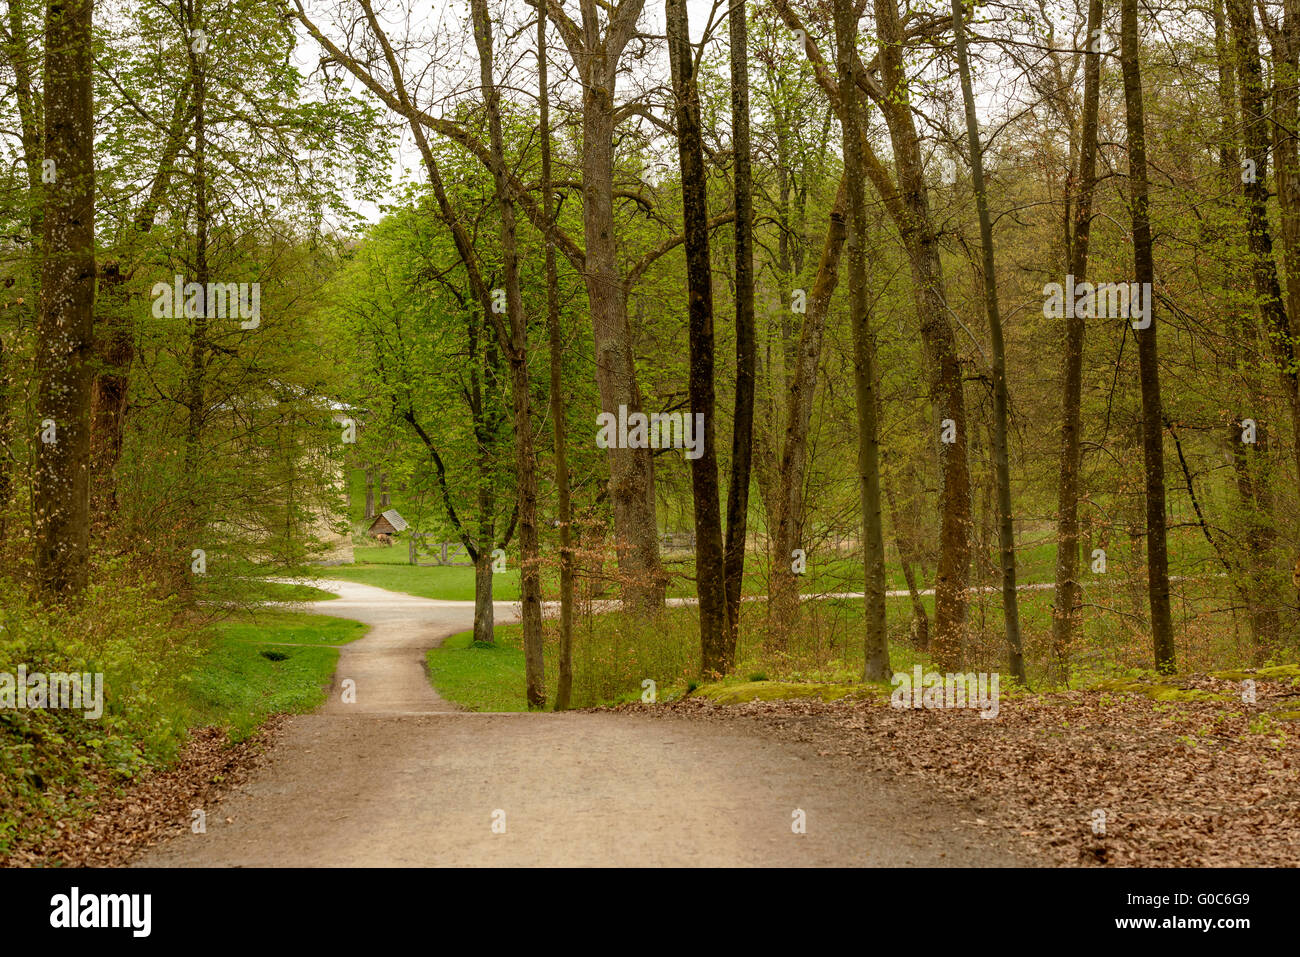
{"x": 386, "y": 525}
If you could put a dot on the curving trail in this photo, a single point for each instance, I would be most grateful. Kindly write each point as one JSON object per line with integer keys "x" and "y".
{"x": 403, "y": 778}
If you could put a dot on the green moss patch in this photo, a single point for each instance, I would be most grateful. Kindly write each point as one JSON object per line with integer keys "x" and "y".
{"x": 742, "y": 692}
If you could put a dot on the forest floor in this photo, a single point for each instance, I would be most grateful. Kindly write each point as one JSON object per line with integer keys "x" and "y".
{"x": 1135, "y": 773}
{"x": 402, "y": 777}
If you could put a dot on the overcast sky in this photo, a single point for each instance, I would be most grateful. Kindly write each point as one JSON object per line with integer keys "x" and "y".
{"x": 450, "y": 18}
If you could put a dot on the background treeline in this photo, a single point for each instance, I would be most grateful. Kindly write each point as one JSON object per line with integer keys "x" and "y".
{"x": 140, "y": 143}
{"x": 1204, "y": 576}
{"x": 773, "y": 217}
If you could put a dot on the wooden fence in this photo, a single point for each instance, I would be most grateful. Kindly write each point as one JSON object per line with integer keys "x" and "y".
{"x": 442, "y": 553}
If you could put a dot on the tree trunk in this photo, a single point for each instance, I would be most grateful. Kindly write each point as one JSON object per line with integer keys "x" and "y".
{"x": 65, "y": 327}
{"x": 564, "y": 686}
{"x": 742, "y": 435}
{"x": 876, "y": 641}
{"x": 1162, "y": 629}
{"x": 945, "y": 373}
{"x": 1286, "y": 126}
{"x": 631, "y": 483}
{"x": 370, "y": 494}
{"x": 1068, "y": 590}
{"x": 525, "y": 459}
{"x": 20, "y": 54}
{"x": 1001, "y": 454}
{"x": 196, "y": 391}
{"x": 920, "y": 619}
{"x": 1251, "y": 463}
{"x": 484, "y": 619}
{"x": 783, "y": 602}
{"x": 1255, "y": 125}
{"x": 718, "y": 650}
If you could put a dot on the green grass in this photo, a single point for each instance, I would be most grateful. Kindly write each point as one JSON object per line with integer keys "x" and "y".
{"x": 236, "y": 686}
{"x": 289, "y": 592}
{"x": 614, "y": 653}
{"x": 162, "y": 676}
{"x": 445, "y": 582}
{"x": 477, "y": 676}
{"x": 283, "y": 625}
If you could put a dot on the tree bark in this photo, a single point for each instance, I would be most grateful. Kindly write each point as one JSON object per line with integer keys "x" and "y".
{"x": 718, "y": 650}
{"x": 742, "y": 435}
{"x": 65, "y": 327}
{"x": 876, "y": 641}
{"x": 484, "y": 621}
{"x": 1068, "y": 589}
{"x": 1162, "y": 630}
{"x": 1254, "y": 122}
{"x": 564, "y": 686}
{"x": 195, "y": 386}
{"x": 945, "y": 375}
{"x": 783, "y": 602}
{"x": 1001, "y": 454}
{"x": 525, "y": 458}
{"x": 1252, "y": 464}
{"x": 631, "y": 470}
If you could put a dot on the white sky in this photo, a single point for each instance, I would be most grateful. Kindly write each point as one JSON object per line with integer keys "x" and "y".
{"x": 450, "y": 19}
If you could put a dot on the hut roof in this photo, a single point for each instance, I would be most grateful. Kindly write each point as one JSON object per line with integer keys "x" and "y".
{"x": 391, "y": 517}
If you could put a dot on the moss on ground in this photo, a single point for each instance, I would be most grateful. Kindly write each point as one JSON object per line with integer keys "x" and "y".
{"x": 1157, "y": 690}
{"x": 1289, "y": 673}
{"x": 724, "y": 692}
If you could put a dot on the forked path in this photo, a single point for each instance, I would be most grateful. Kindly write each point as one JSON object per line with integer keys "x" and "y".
{"x": 401, "y": 777}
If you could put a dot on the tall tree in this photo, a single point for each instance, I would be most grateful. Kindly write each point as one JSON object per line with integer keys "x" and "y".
{"x": 1001, "y": 454}
{"x": 1067, "y": 510}
{"x": 742, "y": 430}
{"x": 907, "y": 201}
{"x": 1255, "y": 126}
{"x": 517, "y": 351}
{"x": 596, "y": 55}
{"x": 787, "y": 504}
{"x": 65, "y": 327}
{"x": 876, "y": 658}
{"x": 196, "y": 45}
{"x": 1153, "y": 452}
{"x": 717, "y": 645}
{"x": 564, "y": 684}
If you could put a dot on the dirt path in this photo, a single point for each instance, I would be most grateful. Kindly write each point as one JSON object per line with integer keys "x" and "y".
{"x": 402, "y": 778}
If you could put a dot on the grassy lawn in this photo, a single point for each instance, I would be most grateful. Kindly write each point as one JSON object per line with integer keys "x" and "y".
{"x": 244, "y": 675}
{"x": 480, "y": 677}
{"x": 288, "y": 592}
{"x": 446, "y": 582}
{"x": 613, "y": 654}
{"x": 279, "y": 624}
